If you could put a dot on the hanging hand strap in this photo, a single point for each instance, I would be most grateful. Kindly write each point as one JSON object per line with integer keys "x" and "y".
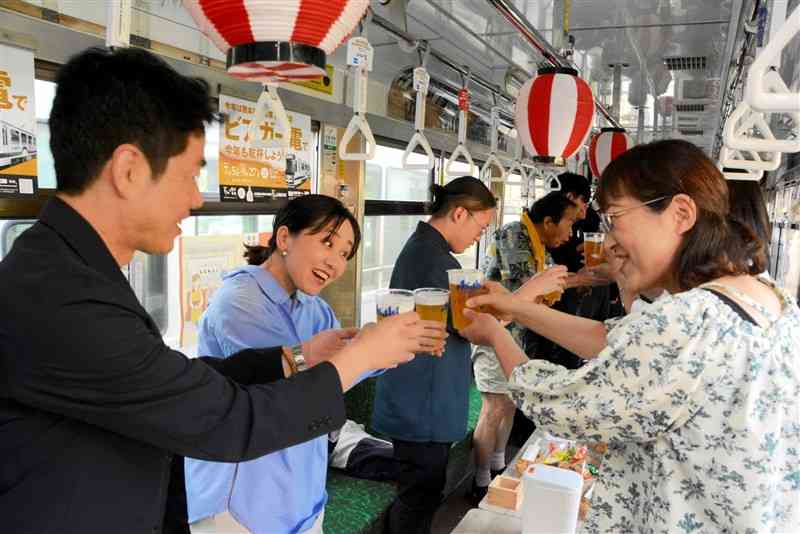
{"x": 738, "y": 127}
{"x": 765, "y": 90}
{"x": 492, "y": 160}
{"x": 749, "y": 160}
{"x": 359, "y": 59}
{"x": 463, "y": 116}
{"x": 421, "y": 84}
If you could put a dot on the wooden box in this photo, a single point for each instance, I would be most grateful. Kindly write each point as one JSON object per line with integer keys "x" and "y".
{"x": 505, "y": 492}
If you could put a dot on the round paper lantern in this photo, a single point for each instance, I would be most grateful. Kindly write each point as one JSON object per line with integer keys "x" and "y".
{"x": 554, "y": 113}
{"x": 606, "y": 146}
{"x": 276, "y": 40}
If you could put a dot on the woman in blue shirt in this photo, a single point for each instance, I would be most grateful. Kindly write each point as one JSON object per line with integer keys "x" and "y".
{"x": 273, "y": 301}
{"x": 423, "y": 405}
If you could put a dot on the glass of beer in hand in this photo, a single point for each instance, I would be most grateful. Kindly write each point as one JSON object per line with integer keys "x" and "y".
{"x": 554, "y": 296}
{"x": 431, "y": 304}
{"x": 464, "y": 284}
{"x": 393, "y": 302}
{"x": 593, "y": 248}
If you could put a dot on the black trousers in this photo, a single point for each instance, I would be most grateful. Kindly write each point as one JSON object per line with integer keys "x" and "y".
{"x": 420, "y": 484}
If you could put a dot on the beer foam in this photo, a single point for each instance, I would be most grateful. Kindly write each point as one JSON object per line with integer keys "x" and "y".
{"x": 432, "y": 299}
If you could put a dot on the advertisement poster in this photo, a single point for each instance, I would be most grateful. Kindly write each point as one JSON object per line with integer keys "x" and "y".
{"x": 17, "y": 123}
{"x": 255, "y": 174}
{"x": 204, "y": 260}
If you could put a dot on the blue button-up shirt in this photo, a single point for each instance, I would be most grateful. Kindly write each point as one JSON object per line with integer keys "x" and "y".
{"x": 283, "y": 491}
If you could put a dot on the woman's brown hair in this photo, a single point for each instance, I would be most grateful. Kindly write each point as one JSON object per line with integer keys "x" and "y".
{"x": 717, "y": 245}
{"x": 465, "y": 191}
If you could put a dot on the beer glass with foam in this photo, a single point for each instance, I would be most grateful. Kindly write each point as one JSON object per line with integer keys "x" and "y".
{"x": 393, "y": 302}
{"x": 593, "y": 248}
{"x": 464, "y": 284}
{"x": 431, "y": 303}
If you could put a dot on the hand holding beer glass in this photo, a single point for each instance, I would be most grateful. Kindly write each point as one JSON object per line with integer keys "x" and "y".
{"x": 431, "y": 307}
{"x": 554, "y": 296}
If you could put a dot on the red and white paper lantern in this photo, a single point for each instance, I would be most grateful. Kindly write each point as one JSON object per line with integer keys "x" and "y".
{"x": 606, "y": 147}
{"x": 554, "y": 113}
{"x": 276, "y": 40}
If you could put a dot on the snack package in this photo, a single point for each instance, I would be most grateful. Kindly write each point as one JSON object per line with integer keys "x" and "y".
{"x": 583, "y": 458}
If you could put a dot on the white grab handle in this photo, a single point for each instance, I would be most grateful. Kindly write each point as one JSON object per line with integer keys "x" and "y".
{"x": 735, "y": 159}
{"x": 486, "y": 171}
{"x": 743, "y": 119}
{"x": 418, "y": 139}
{"x": 269, "y": 101}
{"x": 421, "y": 81}
{"x": 360, "y": 60}
{"x": 547, "y": 184}
{"x": 765, "y": 90}
{"x": 730, "y": 173}
{"x": 461, "y": 149}
{"x": 492, "y": 161}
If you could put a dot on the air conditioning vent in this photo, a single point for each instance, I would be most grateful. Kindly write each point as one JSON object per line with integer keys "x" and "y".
{"x": 685, "y": 62}
{"x": 690, "y": 108}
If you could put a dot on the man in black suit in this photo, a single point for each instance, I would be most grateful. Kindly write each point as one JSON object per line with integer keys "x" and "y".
{"x": 93, "y": 405}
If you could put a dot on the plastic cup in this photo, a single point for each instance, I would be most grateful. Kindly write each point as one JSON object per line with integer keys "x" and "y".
{"x": 593, "y": 248}
{"x": 393, "y": 302}
{"x": 431, "y": 303}
{"x": 464, "y": 284}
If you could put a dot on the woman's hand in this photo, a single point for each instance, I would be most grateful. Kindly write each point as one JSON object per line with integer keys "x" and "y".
{"x": 326, "y": 343}
{"x": 482, "y": 329}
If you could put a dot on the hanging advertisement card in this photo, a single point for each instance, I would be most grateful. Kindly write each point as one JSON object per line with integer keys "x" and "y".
{"x": 17, "y": 123}
{"x": 254, "y": 172}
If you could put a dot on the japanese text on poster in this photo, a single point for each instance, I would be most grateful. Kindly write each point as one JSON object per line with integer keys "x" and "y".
{"x": 256, "y": 173}
{"x": 17, "y": 123}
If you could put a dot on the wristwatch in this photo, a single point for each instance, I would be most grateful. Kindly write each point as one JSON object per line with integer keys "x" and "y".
{"x": 298, "y": 358}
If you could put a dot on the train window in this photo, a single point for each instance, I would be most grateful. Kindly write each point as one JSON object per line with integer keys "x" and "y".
{"x": 386, "y": 179}
{"x": 384, "y": 238}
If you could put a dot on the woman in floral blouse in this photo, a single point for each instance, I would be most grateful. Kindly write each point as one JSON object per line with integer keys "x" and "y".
{"x": 698, "y": 395}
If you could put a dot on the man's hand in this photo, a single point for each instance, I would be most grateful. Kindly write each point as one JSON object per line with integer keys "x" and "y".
{"x": 589, "y": 277}
{"x": 553, "y": 279}
{"x": 326, "y": 343}
{"x": 396, "y": 339}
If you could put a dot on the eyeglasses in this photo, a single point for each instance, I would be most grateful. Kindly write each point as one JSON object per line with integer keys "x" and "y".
{"x": 483, "y": 228}
{"x": 607, "y": 219}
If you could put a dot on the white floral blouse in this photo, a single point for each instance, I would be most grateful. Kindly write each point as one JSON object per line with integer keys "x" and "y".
{"x": 701, "y": 410}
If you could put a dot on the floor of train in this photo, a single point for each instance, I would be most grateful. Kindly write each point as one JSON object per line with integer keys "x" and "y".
{"x": 456, "y": 506}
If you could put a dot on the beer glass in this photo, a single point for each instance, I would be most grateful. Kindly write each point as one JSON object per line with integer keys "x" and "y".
{"x": 554, "y": 296}
{"x": 593, "y": 248}
{"x": 464, "y": 284}
{"x": 431, "y": 303}
{"x": 393, "y": 302}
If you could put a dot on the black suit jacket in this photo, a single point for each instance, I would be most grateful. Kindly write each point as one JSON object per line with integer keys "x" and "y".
{"x": 93, "y": 405}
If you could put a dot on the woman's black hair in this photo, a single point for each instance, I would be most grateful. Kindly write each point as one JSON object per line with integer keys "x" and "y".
{"x": 465, "y": 191}
{"x": 309, "y": 212}
{"x": 749, "y": 208}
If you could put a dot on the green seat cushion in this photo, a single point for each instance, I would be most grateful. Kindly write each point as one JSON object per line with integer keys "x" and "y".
{"x": 355, "y": 505}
